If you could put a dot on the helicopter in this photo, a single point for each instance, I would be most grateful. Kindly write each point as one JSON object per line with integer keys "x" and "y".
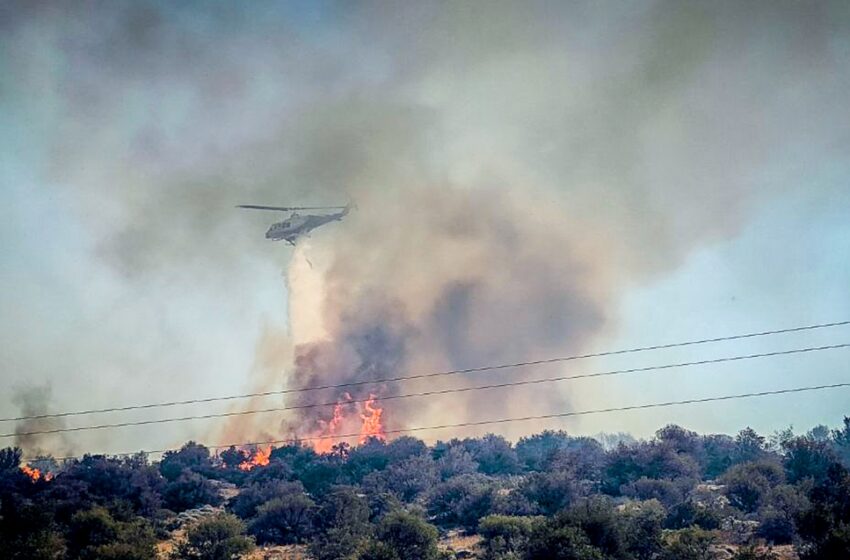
{"x": 297, "y": 225}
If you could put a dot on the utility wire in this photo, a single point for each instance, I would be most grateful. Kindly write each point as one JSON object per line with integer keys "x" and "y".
{"x": 431, "y": 375}
{"x": 432, "y": 393}
{"x": 509, "y": 420}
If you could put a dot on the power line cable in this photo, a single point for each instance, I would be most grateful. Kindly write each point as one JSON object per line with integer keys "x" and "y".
{"x": 509, "y": 420}
{"x": 435, "y": 392}
{"x": 430, "y": 375}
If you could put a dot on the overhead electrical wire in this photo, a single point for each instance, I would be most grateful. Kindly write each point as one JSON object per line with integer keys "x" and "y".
{"x": 433, "y": 392}
{"x": 508, "y": 420}
{"x": 430, "y": 375}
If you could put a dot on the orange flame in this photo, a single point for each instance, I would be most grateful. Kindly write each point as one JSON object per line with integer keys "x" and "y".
{"x": 331, "y": 427}
{"x": 371, "y": 417}
{"x": 260, "y": 459}
{"x": 35, "y": 474}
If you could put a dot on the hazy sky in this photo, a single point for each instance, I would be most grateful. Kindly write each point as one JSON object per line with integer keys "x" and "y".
{"x": 532, "y": 178}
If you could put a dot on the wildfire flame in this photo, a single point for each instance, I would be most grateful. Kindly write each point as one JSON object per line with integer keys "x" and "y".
{"x": 260, "y": 459}
{"x": 342, "y": 419}
{"x": 372, "y": 427}
{"x": 35, "y": 474}
{"x": 330, "y": 428}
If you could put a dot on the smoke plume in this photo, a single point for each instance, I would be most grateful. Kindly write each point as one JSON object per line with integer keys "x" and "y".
{"x": 35, "y": 401}
{"x": 516, "y": 167}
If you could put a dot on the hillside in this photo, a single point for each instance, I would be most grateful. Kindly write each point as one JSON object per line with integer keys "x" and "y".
{"x": 677, "y": 496}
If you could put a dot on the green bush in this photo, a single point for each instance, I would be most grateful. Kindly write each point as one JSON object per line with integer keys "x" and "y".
{"x": 690, "y": 544}
{"x": 748, "y": 484}
{"x": 462, "y": 500}
{"x": 504, "y": 536}
{"x": 284, "y": 520}
{"x": 221, "y": 537}
{"x": 642, "y": 528}
{"x": 95, "y": 535}
{"x": 28, "y": 533}
{"x": 824, "y": 527}
{"x": 754, "y": 553}
{"x": 402, "y": 536}
{"x": 190, "y": 490}
{"x": 551, "y": 540}
{"x": 342, "y": 525}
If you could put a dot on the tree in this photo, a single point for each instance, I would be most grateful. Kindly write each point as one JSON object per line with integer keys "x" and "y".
{"x": 535, "y": 452}
{"x": 381, "y": 504}
{"x": 10, "y": 458}
{"x": 747, "y": 484}
{"x": 190, "y": 490}
{"x": 275, "y": 471}
{"x": 749, "y": 446}
{"x": 551, "y": 539}
{"x": 406, "y": 479}
{"x": 583, "y": 457}
{"x": 782, "y": 506}
{"x": 598, "y": 520}
{"x": 642, "y": 524}
{"x": 807, "y": 458}
{"x": 690, "y": 544}
{"x": 343, "y": 507}
{"x": 232, "y": 457}
{"x": 101, "y": 480}
{"x": 318, "y": 477}
{"x": 192, "y": 456}
{"x": 654, "y": 460}
{"x": 402, "y": 536}
{"x": 28, "y": 532}
{"x": 246, "y": 503}
{"x": 369, "y": 457}
{"x": 841, "y": 442}
{"x": 504, "y": 537}
{"x": 494, "y": 455}
{"x": 296, "y": 455}
{"x": 752, "y": 552}
{"x": 550, "y": 491}
{"x": 95, "y": 535}
{"x": 665, "y": 491}
{"x": 404, "y": 448}
{"x": 824, "y": 527}
{"x": 462, "y": 500}
{"x": 718, "y": 452}
{"x": 454, "y": 461}
{"x": 680, "y": 440}
{"x": 284, "y": 520}
{"x": 221, "y": 537}
{"x": 342, "y": 524}
{"x": 689, "y": 513}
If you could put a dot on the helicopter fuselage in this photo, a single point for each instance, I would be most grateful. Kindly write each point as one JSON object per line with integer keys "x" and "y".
{"x": 296, "y": 225}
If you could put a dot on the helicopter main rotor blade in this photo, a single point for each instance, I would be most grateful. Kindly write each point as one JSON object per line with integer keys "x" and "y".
{"x": 288, "y": 208}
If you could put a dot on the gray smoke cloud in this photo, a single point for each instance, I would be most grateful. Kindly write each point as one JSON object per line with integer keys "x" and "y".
{"x": 34, "y": 402}
{"x": 462, "y": 282}
{"x": 516, "y": 166}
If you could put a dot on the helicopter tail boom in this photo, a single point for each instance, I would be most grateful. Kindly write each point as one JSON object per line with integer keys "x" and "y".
{"x": 287, "y": 208}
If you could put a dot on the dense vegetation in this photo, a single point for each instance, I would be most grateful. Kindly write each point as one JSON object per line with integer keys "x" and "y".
{"x": 550, "y": 496}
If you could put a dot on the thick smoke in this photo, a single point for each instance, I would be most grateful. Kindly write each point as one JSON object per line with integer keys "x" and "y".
{"x": 469, "y": 278}
{"x": 36, "y": 401}
{"x": 516, "y": 167}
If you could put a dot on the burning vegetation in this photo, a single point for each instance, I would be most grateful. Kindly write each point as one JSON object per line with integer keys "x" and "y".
{"x": 35, "y": 474}
{"x": 371, "y": 417}
{"x": 260, "y": 458}
{"x": 656, "y": 499}
{"x": 342, "y": 424}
